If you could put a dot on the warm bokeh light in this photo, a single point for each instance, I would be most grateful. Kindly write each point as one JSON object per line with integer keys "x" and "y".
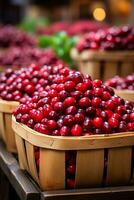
{"x": 99, "y": 14}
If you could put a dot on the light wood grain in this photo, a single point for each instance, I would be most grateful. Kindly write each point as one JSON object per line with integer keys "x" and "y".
{"x": 9, "y": 134}
{"x": 2, "y": 126}
{"x": 125, "y": 94}
{"x": 119, "y": 166}
{"x": 127, "y": 68}
{"x": 73, "y": 143}
{"x": 31, "y": 161}
{"x": 89, "y": 168}
{"x": 21, "y": 152}
{"x": 110, "y": 70}
{"x": 52, "y": 169}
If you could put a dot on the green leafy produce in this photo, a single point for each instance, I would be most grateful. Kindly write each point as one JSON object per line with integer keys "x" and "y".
{"x": 61, "y": 43}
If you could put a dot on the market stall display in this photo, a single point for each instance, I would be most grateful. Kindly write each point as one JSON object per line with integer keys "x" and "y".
{"x": 106, "y": 53}
{"x": 123, "y": 86}
{"x": 75, "y": 114}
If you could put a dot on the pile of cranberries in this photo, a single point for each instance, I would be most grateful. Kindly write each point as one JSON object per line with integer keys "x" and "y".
{"x": 74, "y": 105}
{"x": 114, "y": 38}
{"x": 21, "y": 85}
{"x": 121, "y": 83}
{"x": 10, "y": 36}
{"x": 71, "y": 104}
{"x": 24, "y": 56}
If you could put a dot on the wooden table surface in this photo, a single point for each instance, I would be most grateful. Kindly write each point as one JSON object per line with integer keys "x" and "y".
{"x": 27, "y": 189}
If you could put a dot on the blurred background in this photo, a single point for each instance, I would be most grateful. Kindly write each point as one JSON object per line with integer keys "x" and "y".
{"x": 110, "y": 11}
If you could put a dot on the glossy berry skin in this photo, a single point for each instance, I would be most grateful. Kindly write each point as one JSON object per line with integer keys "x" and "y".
{"x": 71, "y": 110}
{"x": 69, "y": 120}
{"x": 52, "y": 124}
{"x": 96, "y": 101}
{"x": 84, "y": 102}
{"x": 76, "y": 130}
{"x": 98, "y": 122}
{"x": 79, "y": 118}
{"x": 69, "y": 86}
{"x": 69, "y": 101}
{"x": 113, "y": 122}
{"x": 58, "y": 106}
{"x": 64, "y": 131}
{"x": 81, "y": 87}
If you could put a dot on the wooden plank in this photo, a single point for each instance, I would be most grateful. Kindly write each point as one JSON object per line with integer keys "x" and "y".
{"x": 22, "y": 183}
{"x": 2, "y": 126}
{"x": 31, "y": 161}
{"x": 9, "y": 133}
{"x": 52, "y": 169}
{"x": 89, "y": 168}
{"x": 119, "y": 166}
{"x": 21, "y": 152}
{"x": 110, "y": 70}
{"x": 125, "y": 94}
{"x": 127, "y": 68}
{"x": 73, "y": 143}
{"x": 91, "y": 68}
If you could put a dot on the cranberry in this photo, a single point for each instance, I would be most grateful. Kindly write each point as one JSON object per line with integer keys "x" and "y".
{"x": 81, "y": 87}
{"x": 84, "y": 102}
{"x": 106, "y": 129}
{"x": 58, "y": 106}
{"x": 71, "y": 110}
{"x": 18, "y": 117}
{"x": 122, "y": 127}
{"x": 69, "y": 86}
{"x": 79, "y": 118}
{"x": 96, "y": 101}
{"x": 69, "y": 101}
{"x": 87, "y": 124}
{"x": 97, "y": 83}
{"x": 106, "y": 96}
{"x": 97, "y": 122}
{"x": 71, "y": 169}
{"x": 113, "y": 122}
{"x": 130, "y": 126}
{"x": 63, "y": 94}
{"x": 68, "y": 120}
{"x": 56, "y": 133}
{"x": 36, "y": 115}
{"x": 70, "y": 183}
{"x": 132, "y": 117}
{"x": 91, "y": 111}
{"x": 64, "y": 131}
{"x": 25, "y": 118}
{"x": 76, "y": 94}
{"x": 76, "y": 130}
{"x": 52, "y": 124}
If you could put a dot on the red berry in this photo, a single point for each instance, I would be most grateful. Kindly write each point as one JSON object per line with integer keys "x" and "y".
{"x": 84, "y": 102}
{"x": 76, "y": 130}
{"x": 64, "y": 131}
{"x": 98, "y": 122}
{"x": 69, "y": 86}
{"x": 81, "y": 87}
{"x": 52, "y": 124}
{"x": 113, "y": 122}
{"x": 69, "y": 101}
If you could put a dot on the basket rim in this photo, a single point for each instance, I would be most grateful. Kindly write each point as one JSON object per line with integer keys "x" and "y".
{"x": 8, "y": 106}
{"x": 72, "y": 143}
{"x": 96, "y": 55}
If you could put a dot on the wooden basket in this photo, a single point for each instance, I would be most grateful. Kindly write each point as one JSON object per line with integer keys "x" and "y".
{"x": 103, "y": 64}
{"x": 125, "y": 94}
{"x": 90, "y": 157}
{"x": 6, "y": 132}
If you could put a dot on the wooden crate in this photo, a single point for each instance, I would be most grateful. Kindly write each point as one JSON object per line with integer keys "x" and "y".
{"x": 125, "y": 94}
{"x": 90, "y": 158}
{"x": 104, "y": 65}
{"x": 6, "y": 132}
